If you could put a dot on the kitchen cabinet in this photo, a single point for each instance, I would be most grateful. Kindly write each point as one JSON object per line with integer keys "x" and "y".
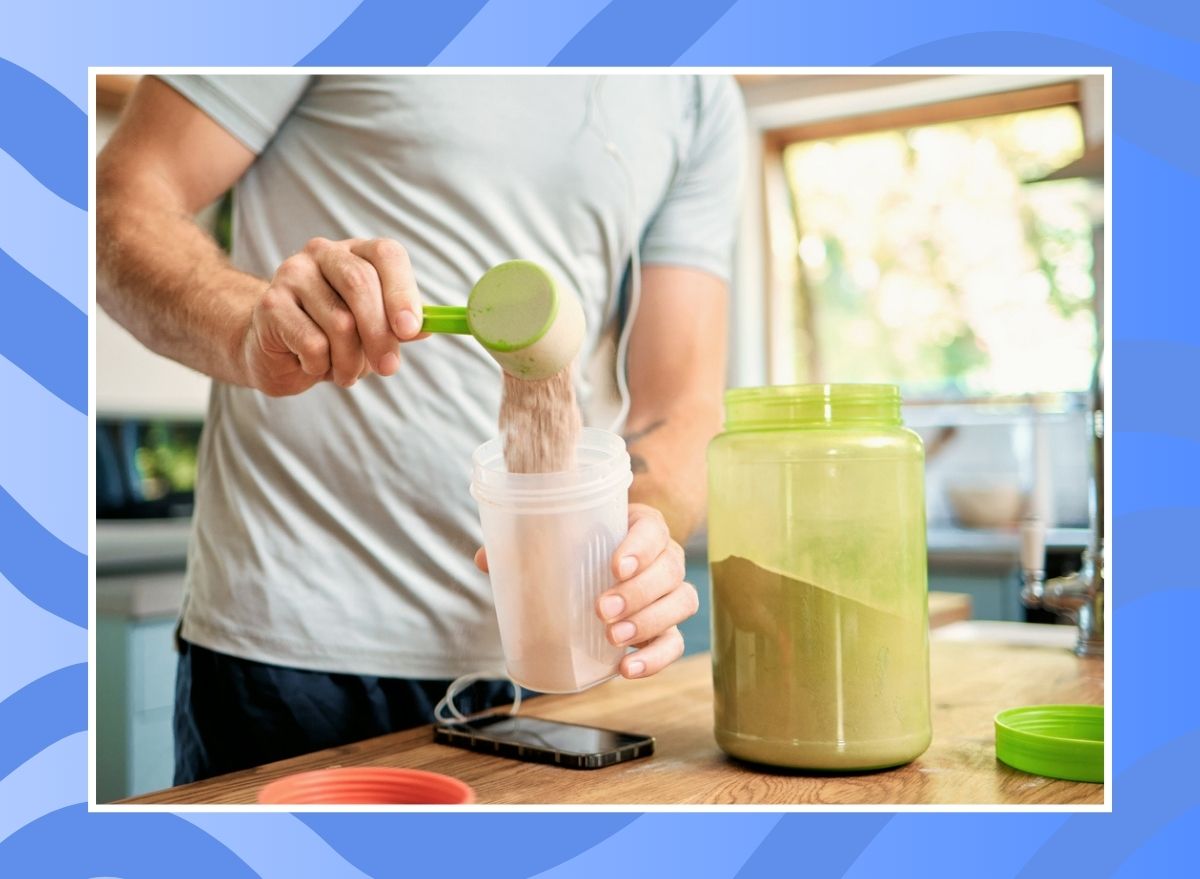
{"x": 992, "y": 597}
{"x": 135, "y": 682}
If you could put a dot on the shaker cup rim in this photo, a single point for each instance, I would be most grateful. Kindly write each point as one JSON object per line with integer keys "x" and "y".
{"x": 604, "y": 465}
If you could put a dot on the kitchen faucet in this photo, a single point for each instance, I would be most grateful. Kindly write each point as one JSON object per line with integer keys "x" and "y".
{"x": 1079, "y": 595}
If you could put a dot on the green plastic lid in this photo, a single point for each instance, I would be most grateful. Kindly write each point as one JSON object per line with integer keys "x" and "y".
{"x": 1058, "y": 741}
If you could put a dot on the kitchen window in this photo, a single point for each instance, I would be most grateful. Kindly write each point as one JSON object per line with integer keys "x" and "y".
{"x": 926, "y": 246}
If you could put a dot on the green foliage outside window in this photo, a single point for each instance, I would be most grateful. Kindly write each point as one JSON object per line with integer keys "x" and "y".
{"x": 928, "y": 260}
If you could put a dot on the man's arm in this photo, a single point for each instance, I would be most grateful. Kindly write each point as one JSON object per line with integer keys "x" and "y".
{"x": 159, "y": 274}
{"x": 334, "y": 311}
{"x": 677, "y": 353}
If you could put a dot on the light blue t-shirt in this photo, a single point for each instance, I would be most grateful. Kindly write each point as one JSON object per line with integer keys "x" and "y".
{"x": 334, "y": 530}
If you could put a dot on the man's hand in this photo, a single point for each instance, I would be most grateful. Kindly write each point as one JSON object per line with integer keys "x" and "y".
{"x": 336, "y": 310}
{"x": 650, "y": 599}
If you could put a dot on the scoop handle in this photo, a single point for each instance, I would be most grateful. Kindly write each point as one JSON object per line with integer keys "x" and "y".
{"x": 445, "y": 319}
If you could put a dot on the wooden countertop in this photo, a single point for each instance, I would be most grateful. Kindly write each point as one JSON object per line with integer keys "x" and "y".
{"x": 971, "y": 681}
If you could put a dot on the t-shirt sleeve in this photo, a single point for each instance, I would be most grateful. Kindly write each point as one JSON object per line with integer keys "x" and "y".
{"x": 250, "y": 107}
{"x": 696, "y": 223}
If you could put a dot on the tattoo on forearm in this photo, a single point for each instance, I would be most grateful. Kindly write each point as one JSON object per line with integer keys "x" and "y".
{"x": 637, "y": 463}
{"x": 631, "y": 438}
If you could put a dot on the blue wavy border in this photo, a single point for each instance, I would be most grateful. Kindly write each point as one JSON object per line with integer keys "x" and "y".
{"x": 1154, "y": 49}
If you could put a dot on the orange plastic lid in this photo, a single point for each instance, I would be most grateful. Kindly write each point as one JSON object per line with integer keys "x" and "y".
{"x": 367, "y": 785}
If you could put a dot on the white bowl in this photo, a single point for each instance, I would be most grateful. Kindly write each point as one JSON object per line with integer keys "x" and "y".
{"x": 986, "y": 505}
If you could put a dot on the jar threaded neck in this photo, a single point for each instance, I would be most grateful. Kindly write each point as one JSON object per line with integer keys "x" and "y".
{"x": 812, "y": 405}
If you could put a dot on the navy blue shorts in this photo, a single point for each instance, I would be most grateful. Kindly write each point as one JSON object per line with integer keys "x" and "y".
{"x": 233, "y": 714}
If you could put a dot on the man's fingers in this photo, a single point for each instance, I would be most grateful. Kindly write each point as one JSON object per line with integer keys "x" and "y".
{"x": 357, "y": 283}
{"x": 287, "y": 321}
{"x": 642, "y": 590}
{"x": 302, "y": 276}
{"x": 332, "y": 315}
{"x": 481, "y": 559}
{"x": 361, "y": 295}
{"x": 650, "y": 622}
{"x": 654, "y": 656}
{"x": 401, "y": 298}
{"x": 648, "y": 536}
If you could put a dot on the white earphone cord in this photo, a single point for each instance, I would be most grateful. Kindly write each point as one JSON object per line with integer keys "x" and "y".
{"x": 635, "y": 262}
{"x": 446, "y": 704}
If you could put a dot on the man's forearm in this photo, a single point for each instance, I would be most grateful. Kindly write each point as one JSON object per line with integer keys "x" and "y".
{"x": 667, "y": 451}
{"x": 167, "y": 282}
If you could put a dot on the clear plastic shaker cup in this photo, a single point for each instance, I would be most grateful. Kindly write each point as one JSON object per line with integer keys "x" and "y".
{"x": 550, "y": 538}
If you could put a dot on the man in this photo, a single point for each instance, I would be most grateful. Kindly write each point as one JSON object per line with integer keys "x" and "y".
{"x": 331, "y": 593}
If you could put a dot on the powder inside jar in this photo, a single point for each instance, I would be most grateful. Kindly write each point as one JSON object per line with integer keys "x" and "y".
{"x": 806, "y": 678}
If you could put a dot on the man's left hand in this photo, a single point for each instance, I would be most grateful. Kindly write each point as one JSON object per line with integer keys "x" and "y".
{"x": 651, "y": 598}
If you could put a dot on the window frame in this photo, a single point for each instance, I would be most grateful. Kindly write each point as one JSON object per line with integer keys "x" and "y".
{"x": 764, "y": 322}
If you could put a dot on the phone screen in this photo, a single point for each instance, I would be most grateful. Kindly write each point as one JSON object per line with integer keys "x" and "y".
{"x": 539, "y": 740}
{"x": 565, "y": 738}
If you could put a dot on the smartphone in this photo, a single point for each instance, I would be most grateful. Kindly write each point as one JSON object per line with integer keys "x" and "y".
{"x": 545, "y": 741}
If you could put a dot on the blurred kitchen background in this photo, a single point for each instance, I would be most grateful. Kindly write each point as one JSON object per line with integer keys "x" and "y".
{"x": 941, "y": 232}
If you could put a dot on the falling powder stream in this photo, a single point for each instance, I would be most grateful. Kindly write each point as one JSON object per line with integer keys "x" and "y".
{"x": 539, "y": 424}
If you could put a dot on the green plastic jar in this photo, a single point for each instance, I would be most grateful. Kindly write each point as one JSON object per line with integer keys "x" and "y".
{"x": 816, "y": 544}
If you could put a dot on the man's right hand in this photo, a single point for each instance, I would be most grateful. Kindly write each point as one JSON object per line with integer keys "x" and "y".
{"x": 336, "y": 310}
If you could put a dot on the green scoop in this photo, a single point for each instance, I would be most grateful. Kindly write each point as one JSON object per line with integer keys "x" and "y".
{"x": 529, "y": 323}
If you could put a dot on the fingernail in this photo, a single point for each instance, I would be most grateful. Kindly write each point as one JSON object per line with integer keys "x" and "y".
{"x": 611, "y": 606}
{"x": 627, "y": 567}
{"x": 389, "y": 363}
{"x": 408, "y": 324}
{"x": 622, "y": 632}
{"x": 636, "y": 667}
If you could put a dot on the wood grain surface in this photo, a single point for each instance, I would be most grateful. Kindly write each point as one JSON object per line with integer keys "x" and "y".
{"x": 970, "y": 681}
